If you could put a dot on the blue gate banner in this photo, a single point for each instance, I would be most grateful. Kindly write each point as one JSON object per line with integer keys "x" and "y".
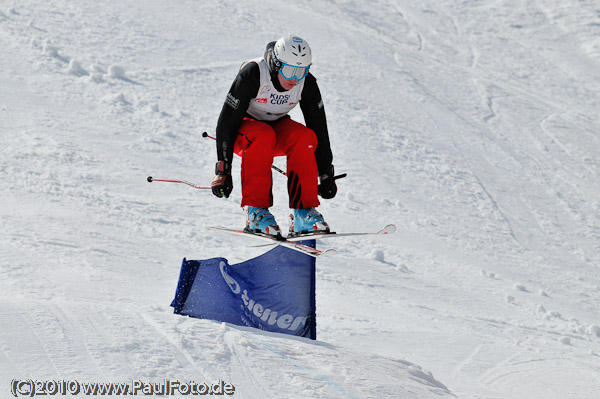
{"x": 272, "y": 292}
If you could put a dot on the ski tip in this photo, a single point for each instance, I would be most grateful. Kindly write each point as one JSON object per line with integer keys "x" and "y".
{"x": 389, "y": 229}
{"x": 317, "y": 253}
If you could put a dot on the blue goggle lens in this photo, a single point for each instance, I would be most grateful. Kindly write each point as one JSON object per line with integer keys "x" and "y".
{"x": 290, "y": 72}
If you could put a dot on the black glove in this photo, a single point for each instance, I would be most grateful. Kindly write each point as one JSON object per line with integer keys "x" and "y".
{"x": 327, "y": 188}
{"x": 222, "y": 183}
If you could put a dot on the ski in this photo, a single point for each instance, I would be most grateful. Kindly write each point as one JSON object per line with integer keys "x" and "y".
{"x": 389, "y": 229}
{"x": 294, "y": 245}
{"x": 292, "y": 241}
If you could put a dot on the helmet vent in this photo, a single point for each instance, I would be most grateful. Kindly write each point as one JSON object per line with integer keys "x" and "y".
{"x": 299, "y": 51}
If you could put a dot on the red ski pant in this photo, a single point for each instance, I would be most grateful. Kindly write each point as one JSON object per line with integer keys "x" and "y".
{"x": 258, "y": 143}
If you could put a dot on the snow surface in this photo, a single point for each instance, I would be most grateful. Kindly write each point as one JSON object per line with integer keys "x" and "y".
{"x": 471, "y": 125}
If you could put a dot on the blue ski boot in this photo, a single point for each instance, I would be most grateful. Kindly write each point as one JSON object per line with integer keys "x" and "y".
{"x": 261, "y": 221}
{"x": 306, "y": 221}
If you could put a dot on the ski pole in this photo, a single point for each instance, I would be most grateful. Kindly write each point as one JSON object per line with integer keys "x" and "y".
{"x": 150, "y": 179}
{"x": 205, "y": 134}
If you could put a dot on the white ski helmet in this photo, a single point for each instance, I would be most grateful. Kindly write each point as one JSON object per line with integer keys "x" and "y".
{"x": 293, "y": 50}
{"x": 291, "y": 57}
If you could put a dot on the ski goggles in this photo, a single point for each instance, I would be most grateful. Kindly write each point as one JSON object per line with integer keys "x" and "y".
{"x": 290, "y": 72}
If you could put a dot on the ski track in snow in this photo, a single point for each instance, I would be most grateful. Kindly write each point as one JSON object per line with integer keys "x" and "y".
{"x": 471, "y": 126}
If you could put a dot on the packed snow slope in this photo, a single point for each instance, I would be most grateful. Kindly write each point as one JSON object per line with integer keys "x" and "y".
{"x": 471, "y": 125}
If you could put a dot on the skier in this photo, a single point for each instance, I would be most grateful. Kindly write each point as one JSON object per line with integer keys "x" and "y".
{"x": 254, "y": 123}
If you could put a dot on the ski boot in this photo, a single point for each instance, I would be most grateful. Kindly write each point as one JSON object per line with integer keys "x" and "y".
{"x": 307, "y": 221}
{"x": 261, "y": 221}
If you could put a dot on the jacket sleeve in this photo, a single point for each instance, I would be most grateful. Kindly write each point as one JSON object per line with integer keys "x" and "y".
{"x": 311, "y": 104}
{"x": 244, "y": 88}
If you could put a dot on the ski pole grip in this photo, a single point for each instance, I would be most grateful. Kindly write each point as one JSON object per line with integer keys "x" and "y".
{"x": 205, "y": 134}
